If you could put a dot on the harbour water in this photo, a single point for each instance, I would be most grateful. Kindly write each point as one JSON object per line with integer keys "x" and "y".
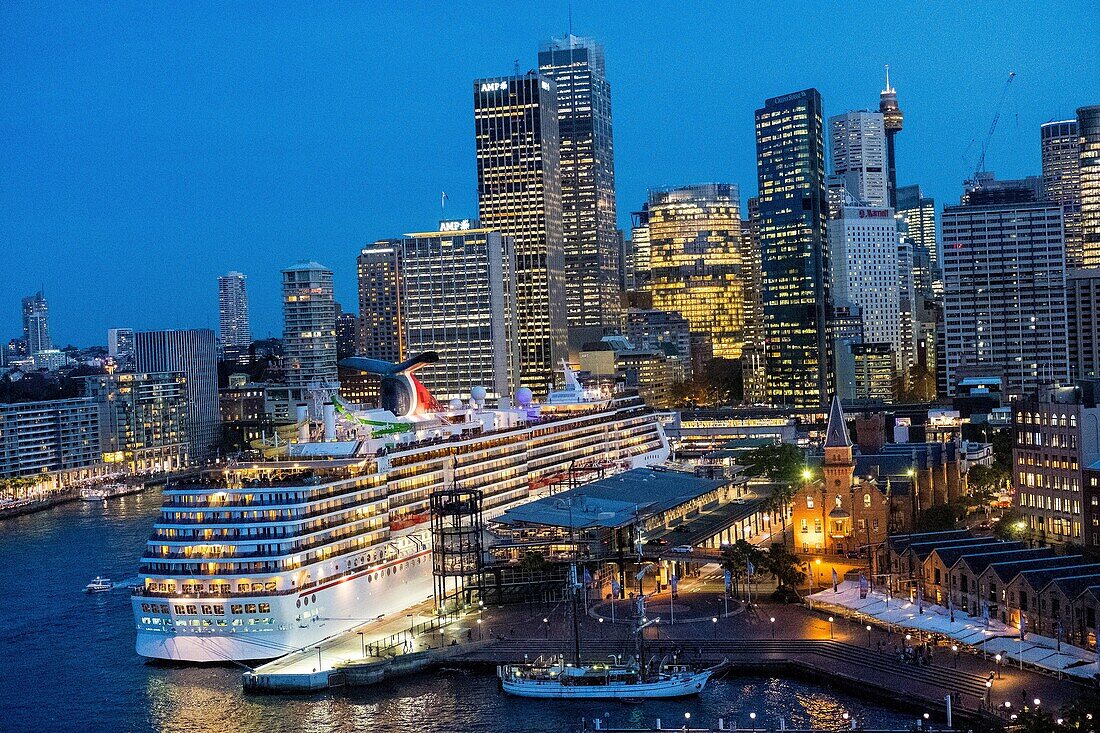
{"x": 67, "y": 661}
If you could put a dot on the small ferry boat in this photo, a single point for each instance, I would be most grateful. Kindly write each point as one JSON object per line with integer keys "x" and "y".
{"x": 633, "y": 682}
{"x": 99, "y": 585}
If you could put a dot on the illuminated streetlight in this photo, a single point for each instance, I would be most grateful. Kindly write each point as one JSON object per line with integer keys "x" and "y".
{"x": 868, "y": 636}
{"x": 830, "y": 627}
{"x": 714, "y": 625}
{"x": 807, "y": 474}
{"x": 1036, "y": 701}
{"x": 546, "y": 625}
{"x": 955, "y": 648}
{"x": 773, "y": 626}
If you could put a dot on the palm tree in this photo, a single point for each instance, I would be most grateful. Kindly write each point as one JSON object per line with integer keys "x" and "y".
{"x": 737, "y": 557}
{"x": 785, "y": 566}
{"x": 780, "y": 501}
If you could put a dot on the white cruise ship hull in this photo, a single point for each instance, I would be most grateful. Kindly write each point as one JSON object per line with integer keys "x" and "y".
{"x": 291, "y": 622}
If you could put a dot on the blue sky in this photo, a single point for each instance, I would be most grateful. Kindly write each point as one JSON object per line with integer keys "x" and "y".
{"x": 149, "y": 147}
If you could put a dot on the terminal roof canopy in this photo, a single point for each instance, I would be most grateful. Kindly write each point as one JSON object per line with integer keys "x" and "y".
{"x": 615, "y": 501}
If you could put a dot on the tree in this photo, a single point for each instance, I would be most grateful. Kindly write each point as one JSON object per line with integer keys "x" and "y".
{"x": 1082, "y": 713}
{"x": 940, "y": 517}
{"x": 1012, "y": 526}
{"x": 1034, "y": 720}
{"x": 784, "y": 464}
{"x": 785, "y": 566}
{"x": 737, "y": 557}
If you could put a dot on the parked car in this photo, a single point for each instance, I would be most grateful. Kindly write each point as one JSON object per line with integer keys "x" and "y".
{"x": 682, "y": 548}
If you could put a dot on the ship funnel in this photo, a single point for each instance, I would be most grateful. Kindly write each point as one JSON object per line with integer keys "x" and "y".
{"x": 302, "y": 418}
{"x": 329, "y": 412}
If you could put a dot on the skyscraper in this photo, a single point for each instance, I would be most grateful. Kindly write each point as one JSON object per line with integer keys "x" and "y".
{"x": 790, "y": 164}
{"x": 892, "y": 120}
{"x": 1005, "y": 291}
{"x": 194, "y": 353}
{"x": 865, "y": 271}
{"x": 1083, "y": 314}
{"x": 586, "y": 150}
{"x": 696, "y": 266}
{"x": 859, "y": 156}
{"x": 235, "y": 331}
{"x": 380, "y": 327}
{"x": 919, "y": 214}
{"x": 519, "y": 195}
{"x": 1088, "y": 131}
{"x": 309, "y": 326}
{"x": 347, "y": 333}
{"x": 449, "y": 292}
{"x": 36, "y": 323}
{"x": 1061, "y": 147}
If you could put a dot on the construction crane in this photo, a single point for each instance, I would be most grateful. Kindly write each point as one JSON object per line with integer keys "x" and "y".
{"x": 993, "y": 127}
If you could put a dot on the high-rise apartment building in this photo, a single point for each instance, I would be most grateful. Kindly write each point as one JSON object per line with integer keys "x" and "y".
{"x": 1088, "y": 132}
{"x": 36, "y": 323}
{"x": 587, "y": 154}
{"x": 142, "y": 419}
{"x": 519, "y": 195}
{"x": 892, "y": 121}
{"x": 865, "y": 271}
{"x": 790, "y": 161}
{"x": 52, "y": 435}
{"x": 235, "y": 331}
{"x": 696, "y": 268}
{"x": 919, "y": 213}
{"x": 858, "y": 155}
{"x": 309, "y": 326}
{"x": 1083, "y": 318}
{"x": 1005, "y": 291}
{"x": 452, "y": 292}
{"x": 120, "y": 343}
{"x": 194, "y": 354}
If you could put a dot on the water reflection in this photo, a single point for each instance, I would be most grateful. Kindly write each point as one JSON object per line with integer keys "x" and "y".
{"x": 67, "y": 660}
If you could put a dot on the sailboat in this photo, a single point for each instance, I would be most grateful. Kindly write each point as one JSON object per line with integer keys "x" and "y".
{"x": 631, "y": 681}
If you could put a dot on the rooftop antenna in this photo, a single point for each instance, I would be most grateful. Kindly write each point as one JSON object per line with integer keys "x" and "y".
{"x": 570, "y": 24}
{"x": 888, "y": 78}
{"x": 515, "y": 68}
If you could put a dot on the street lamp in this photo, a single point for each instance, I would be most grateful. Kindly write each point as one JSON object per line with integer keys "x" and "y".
{"x": 997, "y": 659}
{"x": 830, "y": 628}
{"x": 752, "y": 718}
{"x": 714, "y": 625}
{"x": 1036, "y": 701}
{"x": 601, "y": 627}
{"x": 868, "y": 636}
{"x": 773, "y": 626}
{"x": 955, "y": 648}
{"x": 479, "y": 629}
{"x": 546, "y": 626}
{"x": 988, "y": 686}
{"x": 687, "y": 720}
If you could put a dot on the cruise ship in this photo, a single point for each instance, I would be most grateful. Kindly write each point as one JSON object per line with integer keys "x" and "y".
{"x": 331, "y": 528}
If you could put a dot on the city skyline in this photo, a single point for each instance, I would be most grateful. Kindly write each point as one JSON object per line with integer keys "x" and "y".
{"x": 70, "y": 188}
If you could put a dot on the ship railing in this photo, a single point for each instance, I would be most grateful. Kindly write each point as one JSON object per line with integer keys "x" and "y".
{"x": 274, "y": 552}
{"x": 214, "y": 513}
{"x": 141, "y": 590}
{"x": 309, "y": 495}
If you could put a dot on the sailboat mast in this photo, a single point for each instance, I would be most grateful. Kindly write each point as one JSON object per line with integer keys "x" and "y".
{"x": 576, "y": 620}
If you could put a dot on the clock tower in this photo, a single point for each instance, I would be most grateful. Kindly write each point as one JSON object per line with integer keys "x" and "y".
{"x": 840, "y": 465}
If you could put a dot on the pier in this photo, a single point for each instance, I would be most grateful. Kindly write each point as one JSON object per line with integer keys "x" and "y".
{"x": 790, "y": 641}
